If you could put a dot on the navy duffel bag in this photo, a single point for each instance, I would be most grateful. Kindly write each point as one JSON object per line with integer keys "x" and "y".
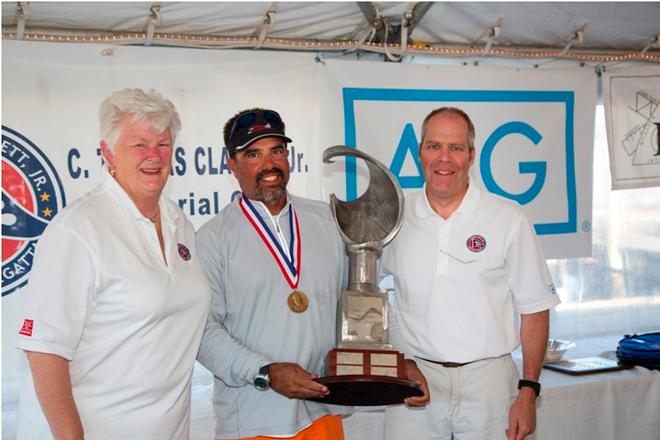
{"x": 641, "y": 350}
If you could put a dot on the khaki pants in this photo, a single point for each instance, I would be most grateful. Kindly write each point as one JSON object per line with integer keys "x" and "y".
{"x": 470, "y": 402}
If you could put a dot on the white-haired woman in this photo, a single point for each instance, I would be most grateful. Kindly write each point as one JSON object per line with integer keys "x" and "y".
{"x": 116, "y": 302}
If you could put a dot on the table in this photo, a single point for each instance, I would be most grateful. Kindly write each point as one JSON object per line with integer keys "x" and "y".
{"x": 607, "y": 406}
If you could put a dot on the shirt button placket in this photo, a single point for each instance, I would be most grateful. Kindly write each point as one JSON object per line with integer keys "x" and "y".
{"x": 443, "y": 241}
{"x": 152, "y": 236}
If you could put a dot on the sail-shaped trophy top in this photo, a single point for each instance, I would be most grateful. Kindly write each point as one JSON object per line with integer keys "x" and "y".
{"x": 374, "y": 217}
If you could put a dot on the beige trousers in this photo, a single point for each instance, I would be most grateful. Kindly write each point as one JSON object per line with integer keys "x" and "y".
{"x": 467, "y": 403}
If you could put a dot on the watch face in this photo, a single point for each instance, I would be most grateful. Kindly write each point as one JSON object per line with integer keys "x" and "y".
{"x": 261, "y": 382}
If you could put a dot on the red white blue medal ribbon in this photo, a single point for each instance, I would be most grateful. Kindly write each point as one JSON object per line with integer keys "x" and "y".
{"x": 290, "y": 266}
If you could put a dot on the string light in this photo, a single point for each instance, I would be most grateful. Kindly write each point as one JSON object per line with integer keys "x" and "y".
{"x": 414, "y": 48}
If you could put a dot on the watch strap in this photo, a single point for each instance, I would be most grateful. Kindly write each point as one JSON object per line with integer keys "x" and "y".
{"x": 530, "y": 384}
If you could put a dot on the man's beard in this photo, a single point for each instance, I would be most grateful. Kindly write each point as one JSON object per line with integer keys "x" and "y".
{"x": 270, "y": 194}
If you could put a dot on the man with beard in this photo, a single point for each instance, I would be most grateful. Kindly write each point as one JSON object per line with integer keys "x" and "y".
{"x": 276, "y": 265}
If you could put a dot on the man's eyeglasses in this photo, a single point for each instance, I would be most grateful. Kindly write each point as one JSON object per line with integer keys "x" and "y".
{"x": 250, "y": 118}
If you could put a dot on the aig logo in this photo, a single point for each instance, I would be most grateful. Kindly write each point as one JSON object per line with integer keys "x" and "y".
{"x": 524, "y": 145}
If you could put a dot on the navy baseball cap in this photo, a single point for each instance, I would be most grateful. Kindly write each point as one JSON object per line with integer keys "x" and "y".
{"x": 252, "y": 125}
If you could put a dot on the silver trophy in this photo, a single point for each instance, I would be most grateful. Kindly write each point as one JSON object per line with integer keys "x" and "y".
{"x": 364, "y": 369}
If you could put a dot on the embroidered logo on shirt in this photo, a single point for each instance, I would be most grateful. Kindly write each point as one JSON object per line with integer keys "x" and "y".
{"x": 184, "y": 252}
{"x": 26, "y": 330}
{"x": 476, "y": 243}
{"x": 552, "y": 288}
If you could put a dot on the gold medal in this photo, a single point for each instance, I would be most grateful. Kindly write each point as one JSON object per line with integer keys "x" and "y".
{"x": 297, "y": 301}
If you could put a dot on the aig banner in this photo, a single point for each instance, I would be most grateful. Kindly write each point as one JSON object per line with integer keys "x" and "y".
{"x": 534, "y": 135}
{"x": 632, "y": 98}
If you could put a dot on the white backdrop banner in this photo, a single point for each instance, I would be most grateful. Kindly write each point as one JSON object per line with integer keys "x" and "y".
{"x": 632, "y": 97}
{"x": 51, "y": 95}
{"x": 50, "y": 135}
{"x": 534, "y": 134}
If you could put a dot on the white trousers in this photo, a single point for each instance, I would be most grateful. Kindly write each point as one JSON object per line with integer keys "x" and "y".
{"x": 467, "y": 403}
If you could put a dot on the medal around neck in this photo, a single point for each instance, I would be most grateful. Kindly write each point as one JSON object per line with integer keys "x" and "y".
{"x": 288, "y": 256}
{"x": 297, "y": 301}
{"x": 364, "y": 370}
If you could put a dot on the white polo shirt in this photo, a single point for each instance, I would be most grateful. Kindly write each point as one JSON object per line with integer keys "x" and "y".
{"x": 460, "y": 282}
{"x": 101, "y": 296}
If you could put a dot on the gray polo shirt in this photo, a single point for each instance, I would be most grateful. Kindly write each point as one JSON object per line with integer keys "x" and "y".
{"x": 251, "y": 325}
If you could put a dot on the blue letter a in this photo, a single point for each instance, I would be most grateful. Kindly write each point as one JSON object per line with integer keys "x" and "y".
{"x": 407, "y": 144}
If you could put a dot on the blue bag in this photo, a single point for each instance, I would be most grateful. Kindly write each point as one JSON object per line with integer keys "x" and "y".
{"x": 641, "y": 350}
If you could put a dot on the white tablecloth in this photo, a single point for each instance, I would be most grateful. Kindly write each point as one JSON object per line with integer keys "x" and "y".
{"x": 607, "y": 406}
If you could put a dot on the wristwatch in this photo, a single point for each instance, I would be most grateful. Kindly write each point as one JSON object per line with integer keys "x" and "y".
{"x": 531, "y": 384}
{"x": 261, "y": 379}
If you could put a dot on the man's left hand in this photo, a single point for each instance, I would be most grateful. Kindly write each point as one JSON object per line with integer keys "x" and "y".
{"x": 522, "y": 415}
{"x": 413, "y": 373}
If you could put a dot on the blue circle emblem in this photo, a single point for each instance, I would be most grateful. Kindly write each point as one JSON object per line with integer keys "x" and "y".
{"x": 32, "y": 194}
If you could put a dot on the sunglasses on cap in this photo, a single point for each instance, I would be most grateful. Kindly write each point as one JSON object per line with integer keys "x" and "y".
{"x": 251, "y": 117}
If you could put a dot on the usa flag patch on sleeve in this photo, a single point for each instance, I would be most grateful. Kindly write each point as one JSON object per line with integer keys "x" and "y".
{"x": 26, "y": 330}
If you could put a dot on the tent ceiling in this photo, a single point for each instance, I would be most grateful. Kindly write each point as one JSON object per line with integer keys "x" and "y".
{"x": 607, "y": 26}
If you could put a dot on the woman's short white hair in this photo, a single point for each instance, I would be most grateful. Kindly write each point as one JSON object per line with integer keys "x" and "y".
{"x": 151, "y": 107}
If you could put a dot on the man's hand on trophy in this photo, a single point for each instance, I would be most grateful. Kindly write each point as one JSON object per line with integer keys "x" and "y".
{"x": 292, "y": 381}
{"x": 413, "y": 373}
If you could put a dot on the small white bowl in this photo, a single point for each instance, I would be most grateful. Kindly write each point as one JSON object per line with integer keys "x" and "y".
{"x": 556, "y": 349}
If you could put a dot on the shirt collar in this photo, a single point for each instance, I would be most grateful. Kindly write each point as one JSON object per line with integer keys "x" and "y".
{"x": 167, "y": 214}
{"x": 263, "y": 211}
{"x": 470, "y": 200}
{"x": 469, "y": 203}
{"x": 422, "y": 206}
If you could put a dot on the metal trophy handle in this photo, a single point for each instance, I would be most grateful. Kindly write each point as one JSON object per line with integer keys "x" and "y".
{"x": 364, "y": 370}
{"x": 369, "y": 222}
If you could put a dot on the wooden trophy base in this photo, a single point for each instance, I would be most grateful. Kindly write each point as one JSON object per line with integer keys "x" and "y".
{"x": 357, "y": 377}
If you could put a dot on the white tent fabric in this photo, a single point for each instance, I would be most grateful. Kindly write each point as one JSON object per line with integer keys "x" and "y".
{"x": 608, "y": 26}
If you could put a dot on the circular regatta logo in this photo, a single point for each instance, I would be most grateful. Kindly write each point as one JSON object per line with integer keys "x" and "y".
{"x": 476, "y": 243}
{"x": 184, "y": 252}
{"x": 32, "y": 194}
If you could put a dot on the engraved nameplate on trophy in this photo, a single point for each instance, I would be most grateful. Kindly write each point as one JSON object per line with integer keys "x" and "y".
{"x": 364, "y": 369}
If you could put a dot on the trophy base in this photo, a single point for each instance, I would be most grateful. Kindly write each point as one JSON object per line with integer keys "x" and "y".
{"x": 359, "y": 390}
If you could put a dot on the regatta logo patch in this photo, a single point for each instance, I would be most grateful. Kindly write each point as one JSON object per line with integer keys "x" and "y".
{"x": 476, "y": 243}
{"x": 184, "y": 252}
{"x": 26, "y": 329}
{"x": 32, "y": 194}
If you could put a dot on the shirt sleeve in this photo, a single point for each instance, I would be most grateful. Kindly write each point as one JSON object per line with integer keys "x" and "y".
{"x": 219, "y": 352}
{"x": 385, "y": 262}
{"x": 527, "y": 272}
{"x": 60, "y": 294}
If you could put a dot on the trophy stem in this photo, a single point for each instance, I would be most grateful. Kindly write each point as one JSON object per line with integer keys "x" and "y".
{"x": 363, "y": 269}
